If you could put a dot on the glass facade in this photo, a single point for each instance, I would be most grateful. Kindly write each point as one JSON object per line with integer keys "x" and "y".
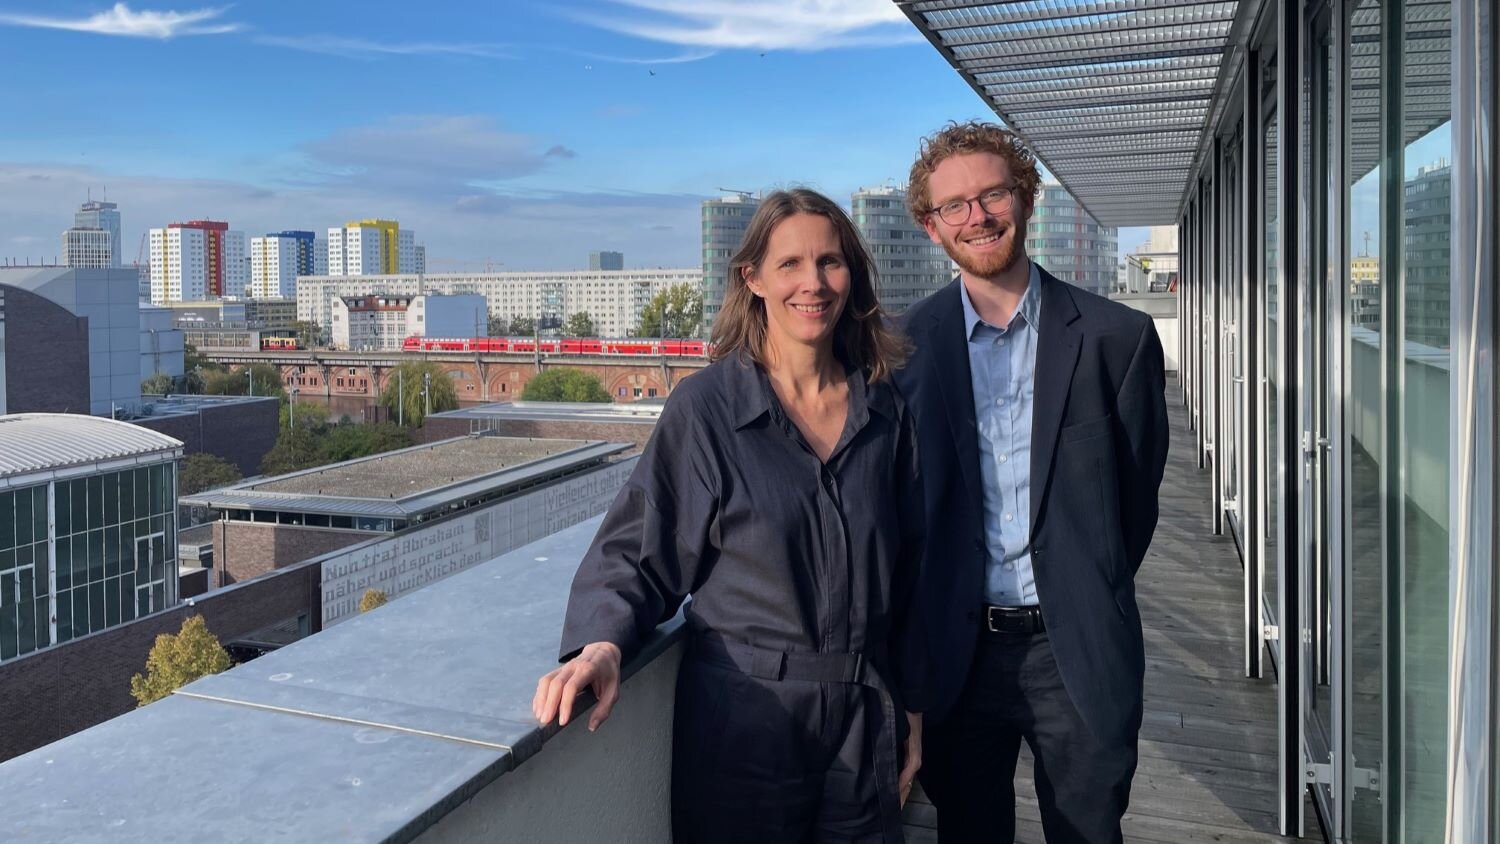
{"x": 724, "y": 223}
{"x": 1070, "y": 244}
{"x": 110, "y": 557}
{"x": 1349, "y": 355}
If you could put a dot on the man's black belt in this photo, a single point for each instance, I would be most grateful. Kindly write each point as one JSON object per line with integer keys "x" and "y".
{"x": 1013, "y": 619}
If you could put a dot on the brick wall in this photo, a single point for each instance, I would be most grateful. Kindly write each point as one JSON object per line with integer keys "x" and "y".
{"x": 241, "y": 432}
{"x": 56, "y": 692}
{"x": 256, "y": 549}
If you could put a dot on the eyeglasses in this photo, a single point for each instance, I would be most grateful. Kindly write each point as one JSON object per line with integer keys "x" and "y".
{"x": 995, "y": 201}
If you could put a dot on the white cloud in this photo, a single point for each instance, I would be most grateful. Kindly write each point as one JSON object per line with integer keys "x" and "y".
{"x": 121, "y": 20}
{"x": 680, "y": 58}
{"x": 359, "y": 48}
{"x": 767, "y": 25}
{"x": 433, "y": 153}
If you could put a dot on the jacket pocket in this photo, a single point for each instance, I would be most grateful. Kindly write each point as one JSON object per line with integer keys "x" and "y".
{"x": 1087, "y": 430}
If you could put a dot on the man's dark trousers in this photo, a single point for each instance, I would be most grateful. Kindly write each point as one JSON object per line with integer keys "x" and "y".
{"x": 1015, "y": 694}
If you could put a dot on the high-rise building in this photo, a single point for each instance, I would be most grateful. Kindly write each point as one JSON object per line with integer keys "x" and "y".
{"x": 1070, "y": 244}
{"x": 92, "y": 248}
{"x": 1428, "y": 223}
{"x": 277, "y": 259}
{"x": 198, "y": 259}
{"x": 724, "y": 223}
{"x": 908, "y": 265}
{"x": 606, "y": 260}
{"x": 374, "y": 247}
{"x": 1364, "y": 291}
{"x": 105, "y": 216}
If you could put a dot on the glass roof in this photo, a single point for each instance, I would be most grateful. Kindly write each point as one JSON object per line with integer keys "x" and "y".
{"x": 1113, "y": 96}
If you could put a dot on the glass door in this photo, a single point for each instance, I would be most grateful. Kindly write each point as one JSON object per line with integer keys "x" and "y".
{"x": 1364, "y": 336}
{"x": 1319, "y": 369}
{"x": 1270, "y": 387}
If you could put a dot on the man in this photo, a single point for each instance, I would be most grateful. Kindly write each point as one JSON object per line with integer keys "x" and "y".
{"x": 1042, "y": 432}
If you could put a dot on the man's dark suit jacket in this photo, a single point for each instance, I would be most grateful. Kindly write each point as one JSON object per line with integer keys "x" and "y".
{"x": 1098, "y": 449}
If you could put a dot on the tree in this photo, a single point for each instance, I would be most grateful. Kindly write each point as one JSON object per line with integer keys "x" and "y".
{"x": 371, "y": 599}
{"x": 674, "y": 312}
{"x": 407, "y": 378}
{"x": 565, "y": 385}
{"x": 205, "y": 471}
{"x": 579, "y": 325}
{"x": 522, "y": 326}
{"x": 308, "y": 415}
{"x": 498, "y": 327}
{"x": 234, "y": 382}
{"x": 176, "y": 660}
{"x": 293, "y": 452}
{"x": 309, "y": 333}
{"x": 159, "y": 384}
{"x": 192, "y": 360}
{"x": 347, "y": 442}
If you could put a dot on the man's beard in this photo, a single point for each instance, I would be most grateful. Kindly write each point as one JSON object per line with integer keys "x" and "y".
{"x": 986, "y": 264}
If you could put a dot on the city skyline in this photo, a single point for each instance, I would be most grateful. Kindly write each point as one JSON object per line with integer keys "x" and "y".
{"x": 520, "y": 139}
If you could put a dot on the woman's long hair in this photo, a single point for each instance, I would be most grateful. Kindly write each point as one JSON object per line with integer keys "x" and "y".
{"x": 860, "y": 338}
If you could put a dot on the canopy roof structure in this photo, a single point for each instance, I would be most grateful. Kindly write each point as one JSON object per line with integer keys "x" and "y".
{"x": 1114, "y": 97}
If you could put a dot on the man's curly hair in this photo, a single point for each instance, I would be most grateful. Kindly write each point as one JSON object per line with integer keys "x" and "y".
{"x": 973, "y": 136}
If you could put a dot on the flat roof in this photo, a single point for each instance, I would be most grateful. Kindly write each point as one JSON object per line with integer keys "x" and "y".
{"x": 406, "y": 483}
{"x": 645, "y": 412}
{"x": 178, "y": 404}
{"x": 412, "y": 471}
{"x": 72, "y": 443}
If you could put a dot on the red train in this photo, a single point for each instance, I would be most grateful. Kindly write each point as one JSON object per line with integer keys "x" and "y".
{"x": 269, "y": 344}
{"x": 560, "y": 346}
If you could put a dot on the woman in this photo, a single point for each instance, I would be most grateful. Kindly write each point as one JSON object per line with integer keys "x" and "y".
{"x": 779, "y": 489}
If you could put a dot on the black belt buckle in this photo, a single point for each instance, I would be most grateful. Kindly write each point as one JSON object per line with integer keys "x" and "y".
{"x": 1013, "y": 619}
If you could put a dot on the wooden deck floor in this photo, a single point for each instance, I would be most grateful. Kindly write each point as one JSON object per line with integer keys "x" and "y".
{"x": 1208, "y": 745}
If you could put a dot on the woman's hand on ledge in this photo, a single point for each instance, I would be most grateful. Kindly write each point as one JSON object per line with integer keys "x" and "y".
{"x": 908, "y": 774}
{"x": 596, "y": 667}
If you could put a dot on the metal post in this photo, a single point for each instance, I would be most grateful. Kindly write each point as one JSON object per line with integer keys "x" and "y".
{"x": 400, "y": 397}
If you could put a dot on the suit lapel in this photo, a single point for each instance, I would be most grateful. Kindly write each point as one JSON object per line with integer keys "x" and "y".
{"x": 950, "y": 362}
{"x": 1056, "y": 356}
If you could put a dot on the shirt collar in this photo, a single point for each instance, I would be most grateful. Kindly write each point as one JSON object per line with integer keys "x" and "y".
{"x": 752, "y": 397}
{"x": 1029, "y": 310}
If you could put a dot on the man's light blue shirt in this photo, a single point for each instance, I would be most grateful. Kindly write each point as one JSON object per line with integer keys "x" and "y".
{"x": 1002, "y": 372}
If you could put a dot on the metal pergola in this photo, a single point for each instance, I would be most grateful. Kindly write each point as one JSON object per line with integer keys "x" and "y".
{"x": 1115, "y": 97}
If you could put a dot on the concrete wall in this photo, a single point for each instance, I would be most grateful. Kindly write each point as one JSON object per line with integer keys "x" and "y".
{"x": 45, "y": 355}
{"x": 108, "y": 298}
{"x": 611, "y": 785}
{"x": 161, "y": 343}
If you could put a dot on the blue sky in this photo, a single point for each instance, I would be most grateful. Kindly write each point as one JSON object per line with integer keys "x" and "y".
{"x": 515, "y": 133}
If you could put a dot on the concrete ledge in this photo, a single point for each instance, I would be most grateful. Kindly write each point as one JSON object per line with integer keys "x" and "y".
{"x": 374, "y": 730}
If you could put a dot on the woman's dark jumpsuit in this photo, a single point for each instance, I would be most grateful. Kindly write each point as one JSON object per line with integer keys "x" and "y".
{"x": 802, "y": 654}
